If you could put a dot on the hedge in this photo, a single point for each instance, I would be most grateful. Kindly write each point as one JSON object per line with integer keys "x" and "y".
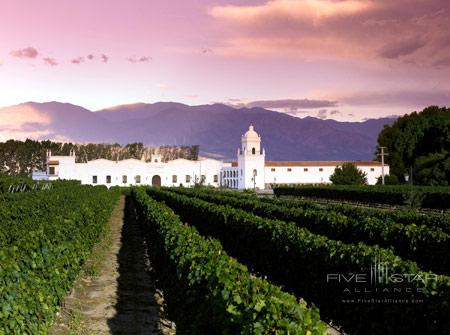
{"x": 437, "y": 221}
{"x": 45, "y": 237}
{"x": 301, "y": 261}
{"x": 428, "y": 197}
{"x": 208, "y": 292}
{"x": 430, "y": 248}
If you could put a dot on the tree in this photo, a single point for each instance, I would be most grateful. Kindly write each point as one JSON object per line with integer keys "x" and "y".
{"x": 194, "y": 152}
{"x": 20, "y": 158}
{"x": 422, "y": 141}
{"x": 348, "y": 174}
{"x": 390, "y": 179}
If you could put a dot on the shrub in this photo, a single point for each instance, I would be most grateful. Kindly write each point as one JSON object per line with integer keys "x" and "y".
{"x": 44, "y": 238}
{"x": 301, "y": 261}
{"x": 208, "y": 292}
{"x": 348, "y": 174}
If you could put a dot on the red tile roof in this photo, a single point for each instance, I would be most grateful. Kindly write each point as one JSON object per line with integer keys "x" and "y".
{"x": 322, "y": 163}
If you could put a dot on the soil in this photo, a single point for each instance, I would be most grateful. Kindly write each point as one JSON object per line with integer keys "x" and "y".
{"x": 122, "y": 298}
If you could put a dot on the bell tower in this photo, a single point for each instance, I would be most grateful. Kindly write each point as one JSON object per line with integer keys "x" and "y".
{"x": 251, "y": 158}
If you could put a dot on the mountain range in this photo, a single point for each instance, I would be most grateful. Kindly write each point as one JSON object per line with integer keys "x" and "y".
{"x": 217, "y": 128}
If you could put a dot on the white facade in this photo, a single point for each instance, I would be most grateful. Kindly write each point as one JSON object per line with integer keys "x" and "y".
{"x": 136, "y": 172}
{"x": 251, "y": 170}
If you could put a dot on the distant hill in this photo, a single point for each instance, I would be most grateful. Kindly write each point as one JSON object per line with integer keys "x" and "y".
{"x": 216, "y": 128}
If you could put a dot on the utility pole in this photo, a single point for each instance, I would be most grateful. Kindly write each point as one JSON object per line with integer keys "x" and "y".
{"x": 382, "y": 154}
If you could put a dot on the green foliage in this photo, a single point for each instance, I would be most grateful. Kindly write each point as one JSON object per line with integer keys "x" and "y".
{"x": 390, "y": 179}
{"x": 44, "y": 238}
{"x": 429, "y": 247}
{"x": 20, "y": 158}
{"x": 348, "y": 174}
{"x": 300, "y": 260}
{"x": 429, "y": 197}
{"x": 421, "y": 140}
{"x": 208, "y": 292}
{"x": 435, "y": 221}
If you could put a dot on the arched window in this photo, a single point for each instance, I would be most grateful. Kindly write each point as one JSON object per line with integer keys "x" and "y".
{"x": 253, "y": 151}
{"x": 137, "y": 179}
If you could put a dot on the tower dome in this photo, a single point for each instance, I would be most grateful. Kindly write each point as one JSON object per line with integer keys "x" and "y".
{"x": 251, "y": 133}
{"x": 251, "y": 141}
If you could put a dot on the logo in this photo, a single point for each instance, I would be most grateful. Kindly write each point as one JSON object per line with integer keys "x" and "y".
{"x": 381, "y": 284}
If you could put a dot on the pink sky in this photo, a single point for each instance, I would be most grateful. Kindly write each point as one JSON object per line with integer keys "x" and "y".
{"x": 341, "y": 59}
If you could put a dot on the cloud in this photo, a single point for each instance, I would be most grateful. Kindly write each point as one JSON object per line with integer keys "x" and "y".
{"x": 291, "y": 105}
{"x": 50, "y": 61}
{"x": 29, "y": 52}
{"x": 405, "y": 98}
{"x": 206, "y": 51}
{"x": 104, "y": 58}
{"x": 163, "y": 86}
{"x": 442, "y": 62}
{"x": 410, "y": 31}
{"x": 297, "y": 112}
{"x": 322, "y": 114}
{"x": 192, "y": 96}
{"x": 90, "y": 57}
{"x": 77, "y": 60}
{"x": 401, "y": 48}
{"x": 298, "y": 10}
{"x": 142, "y": 59}
{"x": 21, "y": 122}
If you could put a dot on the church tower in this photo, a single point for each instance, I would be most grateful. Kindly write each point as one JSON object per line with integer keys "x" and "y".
{"x": 251, "y": 158}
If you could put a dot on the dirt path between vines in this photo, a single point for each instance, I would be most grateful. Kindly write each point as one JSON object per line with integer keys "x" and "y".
{"x": 121, "y": 298}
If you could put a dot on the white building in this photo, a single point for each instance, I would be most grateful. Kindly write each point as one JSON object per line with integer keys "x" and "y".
{"x": 251, "y": 170}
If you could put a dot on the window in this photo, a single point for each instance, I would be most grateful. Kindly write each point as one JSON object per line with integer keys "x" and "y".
{"x": 108, "y": 179}
{"x": 272, "y": 169}
{"x": 216, "y": 178}
{"x": 253, "y": 151}
{"x": 51, "y": 170}
{"x": 156, "y": 161}
{"x": 289, "y": 169}
{"x": 203, "y": 178}
{"x": 174, "y": 178}
{"x": 305, "y": 169}
{"x": 372, "y": 169}
{"x": 94, "y": 179}
{"x": 320, "y": 169}
{"x": 188, "y": 178}
{"x": 137, "y": 179}
{"x": 124, "y": 179}
{"x": 255, "y": 173}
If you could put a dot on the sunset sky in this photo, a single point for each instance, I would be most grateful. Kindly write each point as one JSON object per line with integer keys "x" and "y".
{"x": 340, "y": 59}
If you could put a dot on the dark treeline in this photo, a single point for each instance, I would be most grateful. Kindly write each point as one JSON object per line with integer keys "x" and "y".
{"x": 20, "y": 158}
{"x": 420, "y": 142}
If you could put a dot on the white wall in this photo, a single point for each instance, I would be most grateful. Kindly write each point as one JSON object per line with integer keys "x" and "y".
{"x": 314, "y": 175}
{"x": 101, "y": 168}
{"x": 297, "y": 174}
